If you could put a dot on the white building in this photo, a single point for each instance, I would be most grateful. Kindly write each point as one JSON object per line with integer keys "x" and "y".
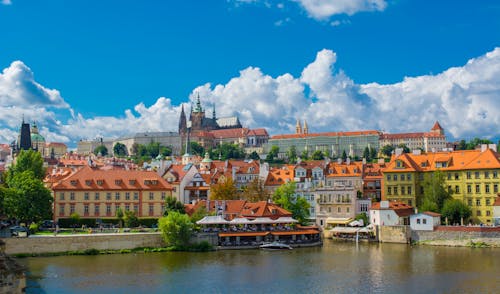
{"x": 425, "y": 221}
{"x": 385, "y": 213}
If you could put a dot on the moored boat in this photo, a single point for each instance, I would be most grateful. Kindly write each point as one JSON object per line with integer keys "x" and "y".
{"x": 275, "y": 246}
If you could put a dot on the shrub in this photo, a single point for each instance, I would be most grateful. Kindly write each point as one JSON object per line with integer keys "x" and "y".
{"x": 33, "y": 228}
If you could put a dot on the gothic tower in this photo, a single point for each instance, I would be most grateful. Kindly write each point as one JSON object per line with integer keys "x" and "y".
{"x": 298, "y": 128}
{"x": 24, "y": 140}
{"x": 182, "y": 122}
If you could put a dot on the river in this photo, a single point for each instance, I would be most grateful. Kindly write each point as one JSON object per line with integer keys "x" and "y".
{"x": 336, "y": 267}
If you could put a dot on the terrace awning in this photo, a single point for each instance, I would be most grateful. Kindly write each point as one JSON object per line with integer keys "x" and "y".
{"x": 242, "y": 234}
{"x": 339, "y": 220}
{"x": 212, "y": 220}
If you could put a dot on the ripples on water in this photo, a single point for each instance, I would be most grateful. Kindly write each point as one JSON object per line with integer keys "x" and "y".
{"x": 333, "y": 268}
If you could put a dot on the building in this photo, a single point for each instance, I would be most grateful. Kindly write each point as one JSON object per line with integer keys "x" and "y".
{"x": 372, "y": 180}
{"x": 471, "y": 176}
{"x": 54, "y": 150}
{"x": 95, "y": 193}
{"x": 24, "y": 138}
{"x": 434, "y": 140}
{"x": 425, "y": 221}
{"x": 331, "y": 143}
{"x": 85, "y": 147}
{"x": 167, "y": 139}
{"x": 390, "y": 213}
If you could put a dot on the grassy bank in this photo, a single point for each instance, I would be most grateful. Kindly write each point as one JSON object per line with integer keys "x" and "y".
{"x": 201, "y": 247}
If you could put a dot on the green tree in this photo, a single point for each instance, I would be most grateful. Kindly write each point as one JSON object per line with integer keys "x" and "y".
{"x": 364, "y": 217}
{"x": 373, "y": 153}
{"x": 404, "y": 147}
{"x": 366, "y": 154}
{"x": 75, "y": 219}
{"x": 304, "y": 155}
{"x": 462, "y": 145}
{"x": 387, "y": 150}
{"x": 318, "y": 155}
{"x": 435, "y": 192}
{"x": 228, "y": 151}
{"x": 285, "y": 197}
{"x": 196, "y": 148}
{"x": 30, "y": 201}
{"x": 255, "y": 191}
{"x": 472, "y": 144}
{"x": 344, "y": 156}
{"x": 254, "y": 155}
{"x": 176, "y": 229}
{"x": 101, "y": 150}
{"x": 119, "y": 216}
{"x": 153, "y": 149}
{"x": 27, "y": 160}
{"x": 120, "y": 149}
{"x": 165, "y": 150}
{"x": 224, "y": 190}
{"x": 197, "y": 215}
{"x": 272, "y": 155}
{"x": 291, "y": 154}
{"x": 172, "y": 204}
{"x": 130, "y": 219}
{"x": 456, "y": 211}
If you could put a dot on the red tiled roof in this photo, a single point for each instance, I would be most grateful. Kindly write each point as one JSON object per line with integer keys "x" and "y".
{"x": 436, "y": 126}
{"x": 431, "y": 213}
{"x": 327, "y": 134}
{"x": 400, "y": 208}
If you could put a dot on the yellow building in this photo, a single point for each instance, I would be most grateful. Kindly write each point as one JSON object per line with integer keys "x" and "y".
{"x": 95, "y": 193}
{"x": 471, "y": 176}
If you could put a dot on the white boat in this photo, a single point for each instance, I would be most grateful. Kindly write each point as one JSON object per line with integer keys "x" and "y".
{"x": 275, "y": 246}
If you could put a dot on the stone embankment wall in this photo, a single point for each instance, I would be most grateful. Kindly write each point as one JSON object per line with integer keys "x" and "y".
{"x": 211, "y": 238}
{"x": 54, "y": 244}
{"x": 393, "y": 234}
{"x": 12, "y": 278}
{"x": 456, "y": 233}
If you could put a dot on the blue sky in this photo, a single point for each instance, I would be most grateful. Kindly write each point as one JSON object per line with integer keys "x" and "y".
{"x": 101, "y": 68}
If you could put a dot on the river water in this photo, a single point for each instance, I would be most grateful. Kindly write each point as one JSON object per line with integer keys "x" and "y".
{"x": 336, "y": 267}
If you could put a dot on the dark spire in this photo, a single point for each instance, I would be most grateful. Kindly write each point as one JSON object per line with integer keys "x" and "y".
{"x": 182, "y": 121}
{"x": 213, "y": 113}
{"x": 25, "y": 136}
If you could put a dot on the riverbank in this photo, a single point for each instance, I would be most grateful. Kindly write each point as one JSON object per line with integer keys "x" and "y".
{"x": 474, "y": 243}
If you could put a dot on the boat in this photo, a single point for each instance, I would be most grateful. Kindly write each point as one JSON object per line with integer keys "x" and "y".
{"x": 275, "y": 246}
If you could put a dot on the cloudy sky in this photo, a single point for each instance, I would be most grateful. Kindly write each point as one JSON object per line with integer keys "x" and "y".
{"x": 85, "y": 68}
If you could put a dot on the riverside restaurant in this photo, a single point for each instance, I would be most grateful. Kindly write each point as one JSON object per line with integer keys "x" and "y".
{"x": 247, "y": 232}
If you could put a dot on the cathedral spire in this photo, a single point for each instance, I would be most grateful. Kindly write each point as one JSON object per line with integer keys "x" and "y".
{"x": 298, "y": 128}
{"x": 213, "y": 112}
{"x": 305, "y": 130}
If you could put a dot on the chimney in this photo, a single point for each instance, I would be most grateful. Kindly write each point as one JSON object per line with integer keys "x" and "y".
{"x": 398, "y": 151}
{"x": 384, "y": 204}
{"x": 493, "y": 147}
{"x": 417, "y": 151}
{"x": 484, "y": 147}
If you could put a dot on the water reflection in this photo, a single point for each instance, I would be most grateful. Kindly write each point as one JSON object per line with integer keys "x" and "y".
{"x": 333, "y": 268}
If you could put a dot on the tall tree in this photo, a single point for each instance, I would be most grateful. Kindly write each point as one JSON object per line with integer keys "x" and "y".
{"x": 27, "y": 160}
{"x": 304, "y": 155}
{"x": 120, "y": 149}
{"x": 228, "y": 151}
{"x": 373, "y": 153}
{"x": 196, "y": 148}
{"x": 456, "y": 211}
{"x": 366, "y": 154}
{"x": 153, "y": 149}
{"x": 255, "y": 191}
{"x": 435, "y": 192}
{"x": 29, "y": 200}
{"x": 285, "y": 197}
{"x": 165, "y": 150}
{"x": 176, "y": 229}
{"x": 404, "y": 147}
{"x": 291, "y": 154}
{"x": 387, "y": 150}
{"x": 172, "y": 204}
{"x": 272, "y": 155}
{"x": 344, "y": 156}
{"x": 101, "y": 150}
{"x": 224, "y": 190}
{"x": 318, "y": 155}
{"x": 254, "y": 155}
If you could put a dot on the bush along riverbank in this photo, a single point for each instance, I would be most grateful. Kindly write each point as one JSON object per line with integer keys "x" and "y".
{"x": 199, "y": 247}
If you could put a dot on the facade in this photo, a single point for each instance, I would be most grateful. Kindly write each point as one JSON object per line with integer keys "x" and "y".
{"x": 471, "y": 176}
{"x": 434, "y": 140}
{"x": 95, "y": 193}
{"x": 372, "y": 180}
{"x": 54, "y": 149}
{"x": 85, "y": 147}
{"x": 332, "y": 143}
{"x": 425, "y": 221}
{"x": 390, "y": 213}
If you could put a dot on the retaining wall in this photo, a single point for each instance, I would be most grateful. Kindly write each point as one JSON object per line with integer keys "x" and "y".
{"x": 393, "y": 234}
{"x": 53, "y": 244}
{"x": 456, "y": 233}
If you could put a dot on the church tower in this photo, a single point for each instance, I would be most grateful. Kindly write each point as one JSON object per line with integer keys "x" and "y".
{"x": 24, "y": 140}
{"x": 298, "y": 128}
{"x": 305, "y": 130}
{"x": 182, "y": 122}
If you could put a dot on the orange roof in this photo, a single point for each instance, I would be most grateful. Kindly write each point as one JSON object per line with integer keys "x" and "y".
{"x": 400, "y": 208}
{"x": 278, "y": 177}
{"x": 436, "y": 126}
{"x": 88, "y": 178}
{"x": 431, "y": 213}
{"x": 263, "y": 209}
{"x": 497, "y": 202}
{"x": 327, "y": 134}
{"x": 352, "y": 169}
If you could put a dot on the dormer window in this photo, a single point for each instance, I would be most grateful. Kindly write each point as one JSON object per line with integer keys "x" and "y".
{"x": 131, "y": 182}
{"x": 399, "y": 164}
{"x": 73, "y": 182}
{"x": 147, "y": 182}
{"x": 155, "y": 182}
{"x": 118, "y": 182}
{"x": 100, "y": 182}
{"x": 88, "y": 182}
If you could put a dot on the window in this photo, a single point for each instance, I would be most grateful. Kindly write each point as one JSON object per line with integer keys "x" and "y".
{"x": 402, "y": 190}
{"x": 469, "y": 202}
{"x": 136, "y": 208}
{"x": 487, "y": 201}
{"x": 457, "y": 177}
{"x": 117, "y": 196}
{"x": 118, "y": 182}
{"x": 395, "y": 177}
{"x": 151, "y": 209}
{"x": 488, "y": 213}
{"x": 408, "y": 177}
{"x": 409, "y": 190}
{"x": 96, "y": 209}
{"x": 476, "y": 175}
{"x": 127, "y": 207}
{"x": 339, "y": 210}
{"x": 347, "y": 209}
{"x": 424, "y": 221}
{"x": 151, "y": 196}
{"x": 478, "y": 189}
{"x": 163, "y": 195}
{"x": 86, "y": 209}
{"x": 402, "y": 177}
{"x": 449, "y": 176}
{"x": 61, "y": 196}
{"x": 117, "y": 206}
{"x": 469, "y": 189}
{"x": 495, "y": 188}
{"x": 136, "y": 196}
{"x": 108, "y": 209}
{"x": 61, "y": 209}
{"x": 495, "y": 174}
{"x": 468, "y": 175}
{"x": 409, "y": 202}
{"x": 72, "y": 196}
{"x": 487, "y": 188}
{"x": 364, "y": 207}
{"x": 418, "y": 221}
{"x": 86, "y": 196}
{"x": 175, "y": 188}
{"x": 96, "y": 195}
{"x": 127, "y": 195}
{"x": 100, "y": 182}
{"x": 388, "y": 177}
{"x": 88, "y": 182}
{"x": 131, "y": 182}
{"x": 486, "y": 174}
{"x": 395, "y": 190}
{"x": 478, "y": 212}
{"x": 108, "y": 196}
{"x": 73, "y": 182}
{"x": 71, "y": 209}
{"x": 478, "y": 202}
{"x": 457, "y": 189}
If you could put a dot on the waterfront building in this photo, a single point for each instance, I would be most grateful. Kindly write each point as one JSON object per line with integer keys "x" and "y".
{"x": 94, "y": 193}
{"x": 372, "y": 180}
{"x": 434, "y": 140}
{"x": 390, "y": 213}
{"x": 425, "y": 221}
{"x": 308, "y": 176}
{"x": 331, "y": 143}
{"x": 471, "y": 176}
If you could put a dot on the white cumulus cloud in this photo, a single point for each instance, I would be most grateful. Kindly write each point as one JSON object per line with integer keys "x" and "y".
{"x": 323, "y": 9}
